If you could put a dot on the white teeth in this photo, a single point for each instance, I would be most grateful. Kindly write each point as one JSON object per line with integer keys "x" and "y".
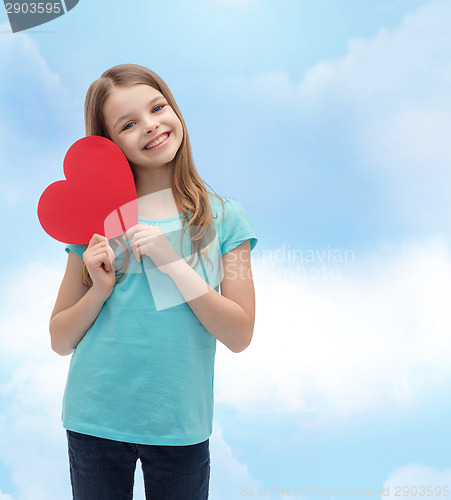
{"x": 160, "y": 140}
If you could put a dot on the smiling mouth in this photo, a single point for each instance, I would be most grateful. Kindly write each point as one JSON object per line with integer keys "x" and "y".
{"x": 160, "y": 140}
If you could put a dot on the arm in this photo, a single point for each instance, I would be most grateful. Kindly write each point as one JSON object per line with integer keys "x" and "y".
{"x": 77, "y": 305}
{"x": 76, "y": 308}
{"x": 228, "y": 316}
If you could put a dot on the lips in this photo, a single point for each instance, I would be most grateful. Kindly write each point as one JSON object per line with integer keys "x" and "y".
{"x": 156, "y": 138}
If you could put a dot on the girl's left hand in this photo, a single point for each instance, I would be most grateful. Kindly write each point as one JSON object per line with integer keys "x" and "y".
{"x": 151, "y": 241}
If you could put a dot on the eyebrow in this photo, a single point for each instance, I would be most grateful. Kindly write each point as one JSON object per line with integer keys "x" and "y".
{"x": 128, "y": 114}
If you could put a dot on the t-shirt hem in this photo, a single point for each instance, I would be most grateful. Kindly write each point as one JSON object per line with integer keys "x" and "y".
{"x": 229, "y": 246}
{"x": 135, "y": 439}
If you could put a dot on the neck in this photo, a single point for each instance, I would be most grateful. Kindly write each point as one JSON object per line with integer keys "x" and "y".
{"x": 154, "y": 193}
{"x": 152, "y": 180}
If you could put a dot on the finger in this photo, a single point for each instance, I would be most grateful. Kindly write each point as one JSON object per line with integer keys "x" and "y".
{"x": 107, "y": 260}
{"x": 135, "y": 251}
{"x": 102, "y": 256}
{"x": 100, "y": 244}
{"x": 131, "y": 231}
{"x": 155, "y": 237}
{"x": 98, "y": 248}
{"x": 135, "y": 229}
{"x": 139, "y": 239}
{"x": 96, "y": 238}
{"x": 101, "y": 259}
{"x": 111, "y": 256}
{"x": 136, "y": 245}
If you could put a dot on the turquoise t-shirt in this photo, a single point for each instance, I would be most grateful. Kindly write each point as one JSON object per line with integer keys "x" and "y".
{"x": 144, "y": 372}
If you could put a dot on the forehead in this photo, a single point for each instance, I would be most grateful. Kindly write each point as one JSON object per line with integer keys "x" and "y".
{"x": 124, "y": 98}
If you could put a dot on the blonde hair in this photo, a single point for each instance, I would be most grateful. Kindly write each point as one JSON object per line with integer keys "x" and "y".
{"x": 188, "y": 188}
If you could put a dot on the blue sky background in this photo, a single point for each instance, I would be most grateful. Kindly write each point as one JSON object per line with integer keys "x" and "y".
{"x": 330, "y": 122}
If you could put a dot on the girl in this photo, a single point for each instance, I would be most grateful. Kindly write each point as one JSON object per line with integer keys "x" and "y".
{"x": 140, "y": 320}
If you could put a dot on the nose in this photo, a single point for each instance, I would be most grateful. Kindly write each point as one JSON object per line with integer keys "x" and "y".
{"x": 150, "y": 124}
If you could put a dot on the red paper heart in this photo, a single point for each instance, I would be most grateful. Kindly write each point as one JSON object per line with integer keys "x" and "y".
{"x": 99, "y": 195}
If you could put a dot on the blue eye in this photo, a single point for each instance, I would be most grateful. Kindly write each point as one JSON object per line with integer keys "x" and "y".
{"x": 127, "y": 127}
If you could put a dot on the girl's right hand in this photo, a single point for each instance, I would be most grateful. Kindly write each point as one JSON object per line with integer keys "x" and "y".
{"x": 99, "y": 260}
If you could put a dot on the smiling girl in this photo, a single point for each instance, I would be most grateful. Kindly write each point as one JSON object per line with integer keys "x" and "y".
{"x": 140, "y": 321}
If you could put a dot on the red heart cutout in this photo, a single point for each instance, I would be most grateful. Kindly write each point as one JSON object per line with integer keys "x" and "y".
{"x": 99, "y": 195}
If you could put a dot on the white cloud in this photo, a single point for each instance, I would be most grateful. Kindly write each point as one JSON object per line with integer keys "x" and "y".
{"x": 23, "y": 46}
{"x": 390, "y": 98}
{"x": 374, "y": 339}
{"x": 38, "y": 110}
{"x": 31, "y": 90}
{"x": 399, "y": 70}
{"x": 5, "y": 496}
{"x": 32, "y": 384}
{"x": 33, "y": 446}
{"x": 228, "y": 475}
{"x": 408, "y": 482}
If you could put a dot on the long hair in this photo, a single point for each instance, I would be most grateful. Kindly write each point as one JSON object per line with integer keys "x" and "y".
{"x": 188, "y": 188}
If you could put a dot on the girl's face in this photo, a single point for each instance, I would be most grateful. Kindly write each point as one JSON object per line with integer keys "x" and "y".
{"x": 135, "y": 117}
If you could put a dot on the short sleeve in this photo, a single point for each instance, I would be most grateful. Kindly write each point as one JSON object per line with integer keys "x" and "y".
{"x": 235, "y": 227}
{"x": 78, "y": 249}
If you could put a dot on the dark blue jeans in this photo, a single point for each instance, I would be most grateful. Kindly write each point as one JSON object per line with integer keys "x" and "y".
{"x": 102, "y": 469}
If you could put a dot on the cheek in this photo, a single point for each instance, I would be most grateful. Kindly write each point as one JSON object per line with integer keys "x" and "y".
{"x": 179, "y": 129}
{"x": 176, "y": 124}
{"x": 126, "y": 143}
